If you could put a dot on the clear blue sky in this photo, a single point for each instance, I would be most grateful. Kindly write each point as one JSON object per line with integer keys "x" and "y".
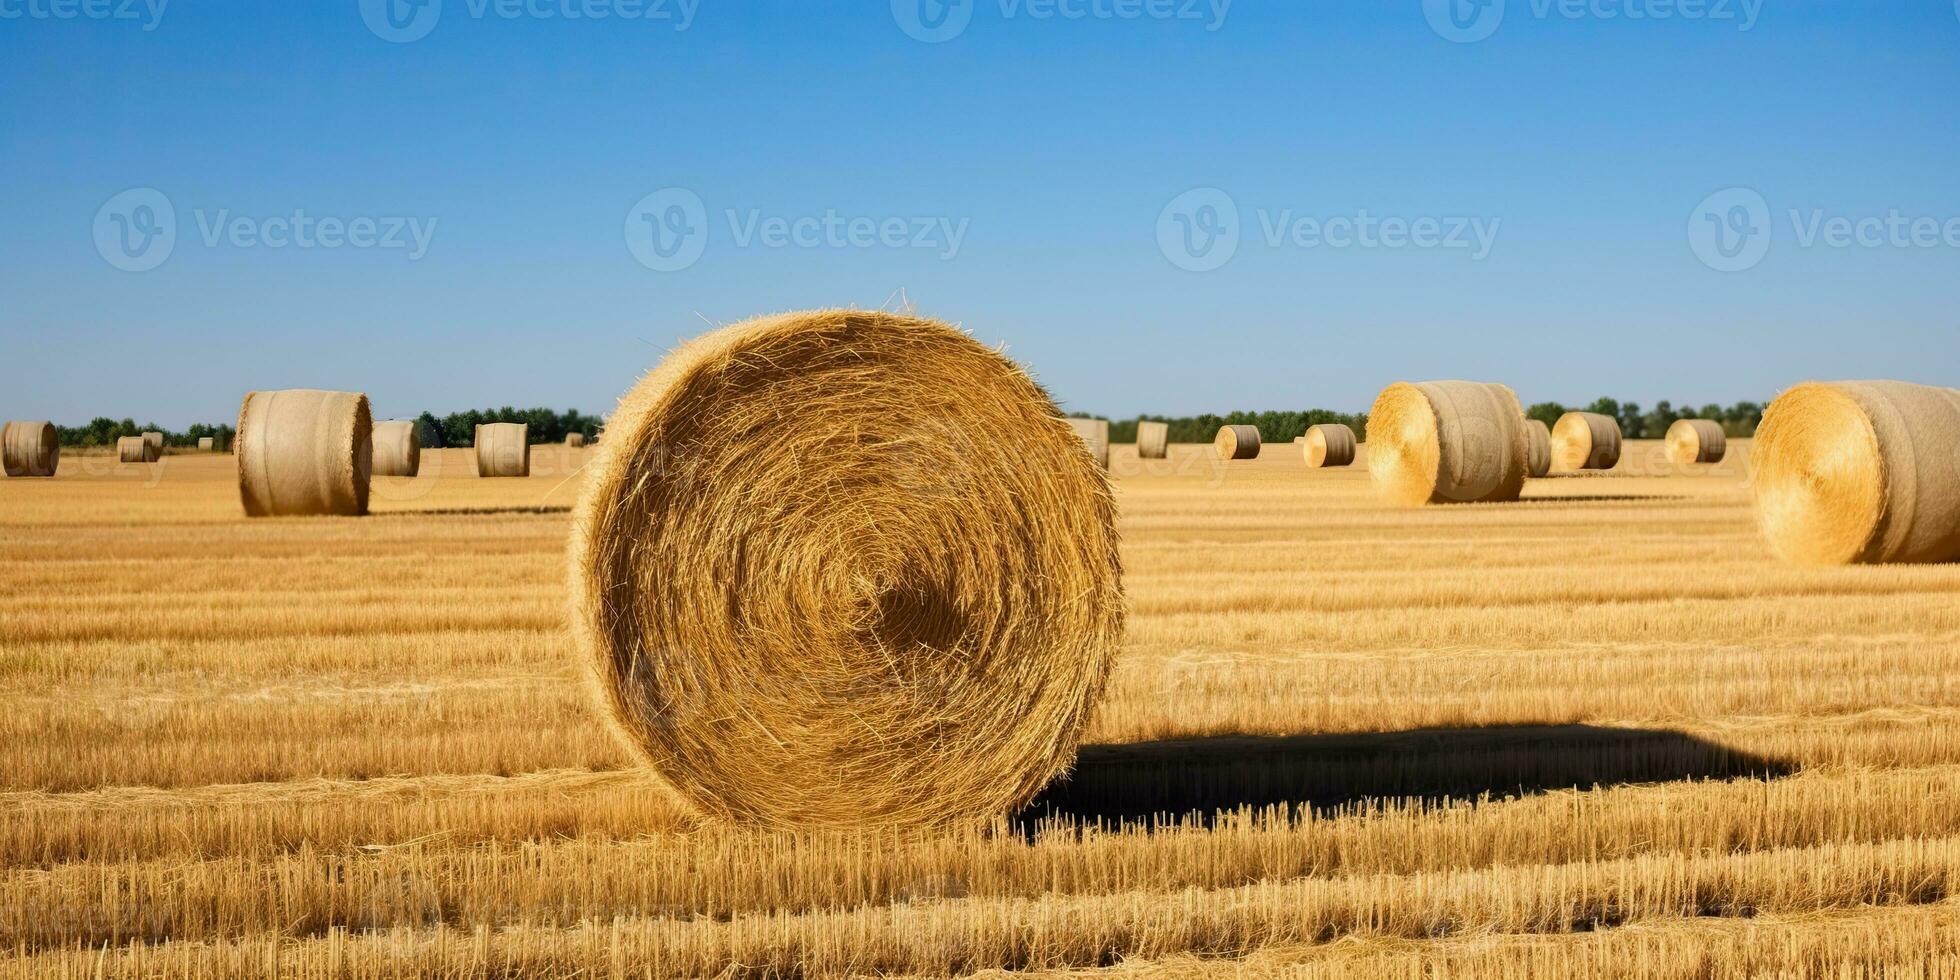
{"x": 1588, "y": 141}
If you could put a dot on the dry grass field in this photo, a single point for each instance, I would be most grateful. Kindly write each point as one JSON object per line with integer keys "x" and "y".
{"x": 1596, "y": 732}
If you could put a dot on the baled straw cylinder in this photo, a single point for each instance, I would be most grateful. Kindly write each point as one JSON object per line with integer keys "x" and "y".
{"x": 1446, "y": 442}
{"x": 900, "y": 609}
{"x": 30, "y": 448}
{"x": 206, "y": 444}
{"x": 1860, "y": 471}
{"x": 574, "y": 440}
{"x": 1585, "y": 441}
{"x": 1237, "y": 442}
{"x": 503, "y": 449}
{"x": 155, "y": 441}
{"x": 397, "y": 448}
{"x": 1153, "y": 439}
{"x": 1328, "y": 444}
{"x": 1691, "y": 441}
{"x": 133, "y": 449}
{"x": 304, "y": 452}
{"x": 1537, "y": 449}
{"x": 1095, "y": 435}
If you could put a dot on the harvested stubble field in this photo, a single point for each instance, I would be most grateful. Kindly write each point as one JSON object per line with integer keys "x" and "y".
{"x": 1599, "y": 731}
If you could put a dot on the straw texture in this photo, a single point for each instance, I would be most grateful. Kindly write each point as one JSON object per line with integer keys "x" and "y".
{"x": 503, "y": 449}
{"x": 844, "y": 567}
{"x": 1585, "y": 441}
{"x": 1446, "y": 442}
{"x": 303, "y": 452}
{"x": 1237, "y": 442}
{"x": 1095, "y": 435}
{"x": 1537, "y": 448}
{"x": 1329, "y": 444}
{"x": 30, "y": 448}
{"x": 1691, "y": 441}
{"x": 1860, "y": 471}
{"x": 1153, "y": 439}
{"x": 397, "y": 448}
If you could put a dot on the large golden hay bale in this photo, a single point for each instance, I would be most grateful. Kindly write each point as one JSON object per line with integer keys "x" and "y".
{"x": 397, "y": 448}
{"x": 1537, "y": 448}
{"x": 1446, "y": 441}
{"x": 1860, "y": 471}
{"x": 133, "y": 449}
{"x": 1585, "y": 441}
{"x": 574, "y": 440}
{"x": 1330, "y": 444}
{"x": 30, "y": 448}
{"x": 1691, "y": 441}
{"x": 899, "y": 609}
{"x": 503, "y": 449}
{"x": 304, "y": 452}
{"x": 1095, "y": 435}
{"x": 155, "y": 441}
{"x": 1153, "y": 439}
{"x": 1237, "y": 442}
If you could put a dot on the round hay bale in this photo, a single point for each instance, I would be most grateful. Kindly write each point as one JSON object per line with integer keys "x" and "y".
{"x": 574, "y": 439}
{"x": 1237, "y": 442}
{"x": 1860, "y": 471}
{"x": 30, "y": 448}
{"x": 901, "y": 609}
{"x": 206, "y": 444}
{"x": 304, "y": 452}
{"x": 133, "y": 449}
{"x": 1537, "y": 449}
{"x": 397, "y": 448}
{"x": 1095, "y": 435}
{"x": 1585, "y": 441}
{"x": 503, "y": 449}
{"x": 1446, "y": 442}
{"x": 1153, "y": 439}
{"x": 1691, "y": 441}
{"x": 155, "y": 440}
{"x": 1329, "y": 444}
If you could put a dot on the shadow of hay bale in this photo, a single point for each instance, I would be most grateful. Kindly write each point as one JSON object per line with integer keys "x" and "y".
{"x": 1163, "y": 782}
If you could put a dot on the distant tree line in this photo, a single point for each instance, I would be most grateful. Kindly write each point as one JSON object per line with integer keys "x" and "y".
{"x": 105, "y": 431}
{"x": 1738, "y": 420}
{"x": 459, "y": 428}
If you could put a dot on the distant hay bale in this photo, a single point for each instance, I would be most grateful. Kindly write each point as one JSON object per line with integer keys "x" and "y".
{"x": 574, "y": 440}
{"x": 1537, "y": 449}
{"x": 1153, "y": 440}
{"x": 1585, "y": 441}
{"x": 1328, "y": 444}
{"x": 303, "y": 452}
{"x": 900, "y": 609}
{"x": 1237, "y": 442}
{"x": 206, "y": 444}
{"x": 155, "y": 440}
{"x": 1446, "y": 442}
{"x": 503, "y": 449}
{"x": 30, "y": 448}
{"x": 1860, "y": 471}
{"x": 397, "y": 448}
{"x": 136, "y": 449}
{"x": 1095, "y": 435}
{"x": 1691, "y": 441}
